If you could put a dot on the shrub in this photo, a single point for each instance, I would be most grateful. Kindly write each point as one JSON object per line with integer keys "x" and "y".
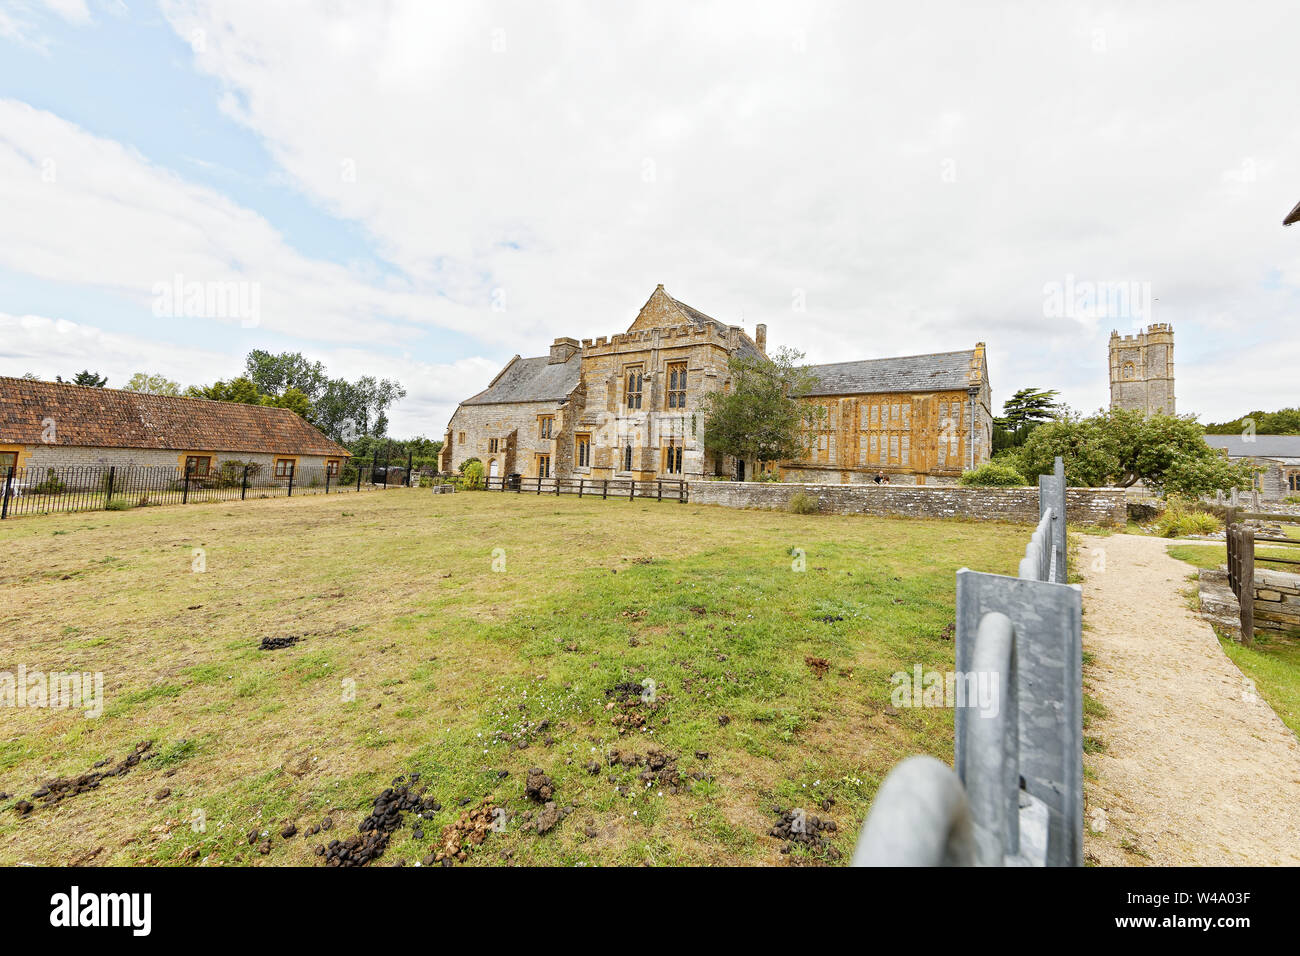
{"x": 51, "y": 485}
{"x": 772, "y": 475}
{"x": 995, "y": 474}
{"x": 802, "y": 503}
{"x": 472, "y": 475}
{"x": 1181, "y": 518}
{"x": 467, "y": 462}
{"x": 118, "y": 504}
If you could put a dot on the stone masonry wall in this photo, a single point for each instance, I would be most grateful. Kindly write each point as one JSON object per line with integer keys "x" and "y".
{"x": 1277, "y": 601}
{"x": 1084, "y": 506}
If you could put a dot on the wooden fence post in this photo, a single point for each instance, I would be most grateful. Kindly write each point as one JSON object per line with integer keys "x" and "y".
{"x": 9, "y": 490}
{"x": 1247, "y": 598}
{"x": 581, "y": 483}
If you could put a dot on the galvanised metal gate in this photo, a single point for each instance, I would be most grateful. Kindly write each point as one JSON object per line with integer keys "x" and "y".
{"x": 1014, "y": 795}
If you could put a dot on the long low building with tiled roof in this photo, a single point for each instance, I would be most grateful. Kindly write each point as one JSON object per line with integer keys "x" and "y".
{"x": 627, "y": 406}
{"x": 56, "y": 425}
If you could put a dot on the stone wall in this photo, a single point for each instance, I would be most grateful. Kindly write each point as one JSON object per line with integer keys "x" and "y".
{"x": 1277, "y": 601}
{"x": 1085, "y": 506}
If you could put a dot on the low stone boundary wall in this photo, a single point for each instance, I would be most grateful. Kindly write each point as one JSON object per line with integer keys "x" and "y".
{"x": 1085, "y": 506}
{"x": 1277, "y": 601}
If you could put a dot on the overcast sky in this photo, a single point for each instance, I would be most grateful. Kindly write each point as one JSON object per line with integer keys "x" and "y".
{"x": 422, "y": 190}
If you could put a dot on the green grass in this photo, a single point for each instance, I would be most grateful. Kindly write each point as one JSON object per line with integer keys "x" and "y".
{"x": 1273, "y": 663}
{"x": 415, "y": 655}
{"x": 1216, "y": 555}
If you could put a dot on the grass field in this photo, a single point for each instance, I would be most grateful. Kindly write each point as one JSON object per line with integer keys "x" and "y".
{"x": 416, "y": 655}
{"x": 1273, "y": 663}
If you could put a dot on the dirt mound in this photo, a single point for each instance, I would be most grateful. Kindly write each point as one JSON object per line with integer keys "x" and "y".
{"x": 460, "y": 838}
{"x": 798, "y": 828}
{"x": 58, "y": 790}
{"x": 658, "y": 767}
{"x": 538, "y": 786}
{"x": 275, "y": 643}
{"x": 376, "y": 829}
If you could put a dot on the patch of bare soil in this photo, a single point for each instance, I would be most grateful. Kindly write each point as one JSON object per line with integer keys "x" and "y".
{"x": 1190, "y": 765}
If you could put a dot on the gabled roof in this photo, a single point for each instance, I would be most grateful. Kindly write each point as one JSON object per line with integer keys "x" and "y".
{"x": 1257, "y": 446}
{"x": 111, "y": 418}
{"x": 1293, "y": 216}
{"x": 939, "y": 371}
{"x": 532, "y": 380}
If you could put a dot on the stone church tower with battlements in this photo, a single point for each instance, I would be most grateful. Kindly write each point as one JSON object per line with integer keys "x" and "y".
{"x": 1142, "y": 370}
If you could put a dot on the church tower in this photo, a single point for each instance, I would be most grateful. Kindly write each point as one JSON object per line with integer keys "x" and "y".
{"x": 1142, "y": 370}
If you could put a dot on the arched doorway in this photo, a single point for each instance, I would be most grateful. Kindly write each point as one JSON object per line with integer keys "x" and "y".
{"x": 492, "y": 468}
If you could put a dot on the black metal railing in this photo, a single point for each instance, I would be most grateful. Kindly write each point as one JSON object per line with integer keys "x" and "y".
{"x": 46, "y": 490}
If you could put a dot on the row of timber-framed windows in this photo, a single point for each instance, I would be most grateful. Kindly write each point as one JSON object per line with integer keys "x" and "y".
{"x": 673, "y": 457}
{"x": 332, "y": 466}
{"x": 545, "y": 426}
{"x": 284, "y": 467}
{"x": 634, "y": 380}
{"x": 543, "y": 466}
{"x": 676, "y": 384}
{"x": 198, "y": 466}
{"x": 582, "y": 450}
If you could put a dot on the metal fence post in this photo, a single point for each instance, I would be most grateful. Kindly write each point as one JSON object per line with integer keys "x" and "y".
{"x": 185, "y": 493}
{"x": 327, "y": 479}
{"x": 292, "y": 468}
{"x": 358, "y": 477}
{"x": 108, "y": 492}
{"x": 410, "y": 457}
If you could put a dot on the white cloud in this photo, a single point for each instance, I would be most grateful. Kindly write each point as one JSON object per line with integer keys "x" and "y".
{"x": 919, "y": 174}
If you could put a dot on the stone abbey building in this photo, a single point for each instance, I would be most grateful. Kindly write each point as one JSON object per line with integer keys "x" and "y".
{"x": 630, "y": 406}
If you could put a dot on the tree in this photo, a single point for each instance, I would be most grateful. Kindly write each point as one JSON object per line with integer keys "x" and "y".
{"x": 760, "y": 418}
{"x": 292, "y": 399}
{"x": 275, "y": 374}
{"x": 1021, "y": 414}
{"x": 1167, "y": 453}
{"x": 240, "y": 390}
{"x": 86, "y": 377}
{"x": 152, "y": 384}
{"x": 349, "y": 410}
{"x": 1285, "y": 421}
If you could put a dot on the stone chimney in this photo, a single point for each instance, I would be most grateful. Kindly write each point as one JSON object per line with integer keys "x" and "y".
{"x": 760, "y": 337}
{"x": 563, "y": 349}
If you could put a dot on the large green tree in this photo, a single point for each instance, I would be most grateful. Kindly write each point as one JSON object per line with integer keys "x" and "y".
{"x": 1285, "y": 421}
{"x": 1022, "y": 413}
{"x": 1167, "y": 453}
{"x": 275, "y": 374}
{"x": 152, "y": 384}
{"x": 760, "y": 417}
{"x": 86, "y": 377}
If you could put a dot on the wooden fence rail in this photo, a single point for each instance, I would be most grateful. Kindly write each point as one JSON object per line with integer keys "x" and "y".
{"x": 660, "y": 489}
{"x": 1241, "y": 561}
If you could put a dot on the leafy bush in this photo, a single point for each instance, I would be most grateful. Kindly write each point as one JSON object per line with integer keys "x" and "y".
{"x": 467, "y": 462}
{"x": 802, "y": 503}
{"x": 995, "y": 474}
{"x": 118, "y": 504}
{"x": 1181, "y": 518}
{"x": 773, "y": 476}
{"x": 50, "y": 486}
{"x": 472, "y": 475}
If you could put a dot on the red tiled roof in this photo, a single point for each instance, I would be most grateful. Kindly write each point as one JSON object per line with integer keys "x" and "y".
{"x": 109, "y": 418}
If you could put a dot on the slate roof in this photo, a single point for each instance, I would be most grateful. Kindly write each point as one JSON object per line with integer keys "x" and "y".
{"x": 1281, "y": 447}
{"x": 940, "y": 371}
{"x": 746, "y": 350}
{"x": 532, "y": 380}
{"x": 111, "y": 418}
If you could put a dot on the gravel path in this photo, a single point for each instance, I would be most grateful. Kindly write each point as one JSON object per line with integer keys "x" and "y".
{"x": 1196, "y": 768}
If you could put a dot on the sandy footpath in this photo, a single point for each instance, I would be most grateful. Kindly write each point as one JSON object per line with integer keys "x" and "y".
{"x": 1197, "y": 769}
